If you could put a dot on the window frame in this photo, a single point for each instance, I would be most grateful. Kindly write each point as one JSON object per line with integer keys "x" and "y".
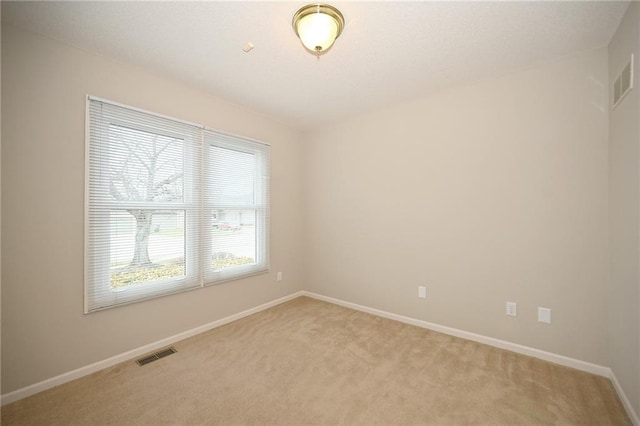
{"x": 198, "y": 227}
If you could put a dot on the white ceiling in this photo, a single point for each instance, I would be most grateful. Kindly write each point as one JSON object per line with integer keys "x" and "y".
{"x": 388, "y": 52}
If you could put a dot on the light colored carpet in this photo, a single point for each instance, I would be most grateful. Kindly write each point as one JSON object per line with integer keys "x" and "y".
{"x": 311, "y": 362}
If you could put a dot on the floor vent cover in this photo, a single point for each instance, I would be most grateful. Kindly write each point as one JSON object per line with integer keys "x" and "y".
{"x": 156, "y": 356}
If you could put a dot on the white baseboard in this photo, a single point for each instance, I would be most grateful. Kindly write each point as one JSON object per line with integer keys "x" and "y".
{"x": 143, "y": 350}
{"x": 502, "y": 344}
{"x": 625, "y": 401}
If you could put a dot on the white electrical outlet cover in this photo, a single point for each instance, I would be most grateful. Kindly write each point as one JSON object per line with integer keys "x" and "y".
{"x": 544, "y": 315}
{"x": 422, "y": 292}
{"x": 512, "y": 309}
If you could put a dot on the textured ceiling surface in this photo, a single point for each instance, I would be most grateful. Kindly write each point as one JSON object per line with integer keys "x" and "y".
{"x": 388, "y": 52}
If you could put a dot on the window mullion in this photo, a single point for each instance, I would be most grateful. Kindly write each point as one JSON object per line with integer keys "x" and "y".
{"x": 203, "y": 237}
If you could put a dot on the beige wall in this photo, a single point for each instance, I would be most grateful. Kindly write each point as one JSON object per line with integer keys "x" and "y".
{"x": 44, "y": 332}
{"x": 488, "y": 193}
{"x": 624, "y": 180}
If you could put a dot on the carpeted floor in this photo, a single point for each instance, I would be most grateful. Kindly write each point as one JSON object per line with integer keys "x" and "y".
{"x": 311, "y": 362}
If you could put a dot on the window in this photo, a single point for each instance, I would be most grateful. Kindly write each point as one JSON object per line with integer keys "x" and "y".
{"x": 171, "y": 206}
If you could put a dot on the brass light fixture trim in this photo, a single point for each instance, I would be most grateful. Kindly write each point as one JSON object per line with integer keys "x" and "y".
{"x": 317, "y": 26}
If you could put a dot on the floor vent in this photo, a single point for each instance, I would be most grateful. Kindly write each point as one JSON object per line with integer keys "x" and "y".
{"x": 156, "y": 356}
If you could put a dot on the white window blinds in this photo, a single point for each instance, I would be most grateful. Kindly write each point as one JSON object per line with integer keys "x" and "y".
{"x": 170, "y": 206}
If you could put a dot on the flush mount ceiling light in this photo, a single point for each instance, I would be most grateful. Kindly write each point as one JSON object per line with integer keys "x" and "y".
{"x": 318, "y": 26}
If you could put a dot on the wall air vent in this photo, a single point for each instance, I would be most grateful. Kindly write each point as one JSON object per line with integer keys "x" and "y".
{"x": 156, "y": 356}
{"x": 624, "y": 83}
